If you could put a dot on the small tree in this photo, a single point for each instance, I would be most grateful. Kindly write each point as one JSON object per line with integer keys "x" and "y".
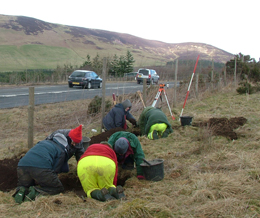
{"x": 97, "y": 64}
{"x": 129, "y": 67}
{"x": 121, "y": 65}
{"x": 87, "y": 63}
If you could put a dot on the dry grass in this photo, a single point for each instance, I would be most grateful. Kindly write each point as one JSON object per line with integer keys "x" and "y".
{"x": 205, "y": 175}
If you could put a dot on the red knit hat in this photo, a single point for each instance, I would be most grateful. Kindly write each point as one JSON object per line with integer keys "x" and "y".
{"x": 76, "y": 134}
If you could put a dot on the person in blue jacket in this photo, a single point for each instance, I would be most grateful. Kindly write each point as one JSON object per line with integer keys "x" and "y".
{"x": 38, "y": 170}
{"x": 118, "y": 115}
{"x": 74, "y": 138}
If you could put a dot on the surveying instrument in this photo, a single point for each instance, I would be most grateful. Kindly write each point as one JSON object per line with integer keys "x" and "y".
{"x": 159, "y": 94}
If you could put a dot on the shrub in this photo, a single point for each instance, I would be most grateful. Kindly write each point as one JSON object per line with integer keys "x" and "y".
{"x": 95, "y": 105}
{"x": 245, "y": 87}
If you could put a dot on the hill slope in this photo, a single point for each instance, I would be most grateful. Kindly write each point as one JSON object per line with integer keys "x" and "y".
{"x": 28, "y": 43}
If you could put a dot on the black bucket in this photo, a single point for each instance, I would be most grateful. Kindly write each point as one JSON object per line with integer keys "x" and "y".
{"x": 186, "y": 120}
{"x": 86, "y": 142}
{"x": 154, "y": 171}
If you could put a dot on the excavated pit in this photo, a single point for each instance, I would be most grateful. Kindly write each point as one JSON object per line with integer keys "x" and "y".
{"x": 8, "y": 180}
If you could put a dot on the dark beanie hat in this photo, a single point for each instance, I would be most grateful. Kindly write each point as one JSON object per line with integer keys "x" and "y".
{"x": 126, "y": 103}
{"x": 121, "y": 145}
{"x": 76, "y": 134}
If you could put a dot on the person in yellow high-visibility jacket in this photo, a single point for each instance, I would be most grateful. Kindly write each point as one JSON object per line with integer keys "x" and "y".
{"x": 97, "y": 171}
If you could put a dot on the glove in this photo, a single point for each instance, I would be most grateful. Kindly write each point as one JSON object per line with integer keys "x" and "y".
{"x": 133, "y": 121}
{"x": 140, "y": 177}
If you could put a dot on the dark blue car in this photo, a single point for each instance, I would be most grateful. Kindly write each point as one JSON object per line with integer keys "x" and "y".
{"x": 85, "y": 79}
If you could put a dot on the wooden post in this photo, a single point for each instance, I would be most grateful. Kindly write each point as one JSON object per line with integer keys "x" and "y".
{"x": 104, "y": 73}
{"x": 219, "y": 82}
{"x": 212, "y": 75}
{"x": 225, "y": 76}
{"x": 30, "y": 117}
{"x": 144, "y": 91}
{"x": 235, "y": 73}
{"x": 175, "y": 83}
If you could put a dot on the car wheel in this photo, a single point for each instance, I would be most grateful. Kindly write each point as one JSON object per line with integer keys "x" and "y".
{"x": 100, "y": 85}
{"x": 70, "y": 86}
{"x": 138, "y": 82}
{"x": 89, "y": 85}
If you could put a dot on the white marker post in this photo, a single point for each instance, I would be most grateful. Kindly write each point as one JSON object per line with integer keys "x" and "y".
{"x": 189, "y": 86}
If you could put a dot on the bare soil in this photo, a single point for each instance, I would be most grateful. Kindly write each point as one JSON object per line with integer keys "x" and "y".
{"x": 223, "y": 126}
{"x": 8, "y": 180}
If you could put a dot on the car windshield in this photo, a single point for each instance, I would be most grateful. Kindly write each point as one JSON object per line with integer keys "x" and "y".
{"x": 88, "y": 74}
{"x": 94, "y": 75}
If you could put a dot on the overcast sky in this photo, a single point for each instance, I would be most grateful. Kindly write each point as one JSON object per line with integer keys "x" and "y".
{"x": 231, "y": 25}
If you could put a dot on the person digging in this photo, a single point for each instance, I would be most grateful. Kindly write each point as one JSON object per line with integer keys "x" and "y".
{"x": 128, "y": 150}
{"x": 74, "y": 138}
{"x": 154, "y": 124}
{"x": 38, "y": 170}
{"x": 118, "y": 115}
{"x": 97, "y": 170}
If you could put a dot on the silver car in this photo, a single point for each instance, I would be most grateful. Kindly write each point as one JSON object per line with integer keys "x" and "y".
{"x": 149, "y": 74}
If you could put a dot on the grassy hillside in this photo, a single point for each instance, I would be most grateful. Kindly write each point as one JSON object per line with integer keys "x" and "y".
{"x": 61, "y": 44}
{"x": 36, "y": 57}
{"x": 206, "y": 174}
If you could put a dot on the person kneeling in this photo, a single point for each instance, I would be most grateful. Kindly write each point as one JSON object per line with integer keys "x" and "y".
{"x": 97, "y": 171}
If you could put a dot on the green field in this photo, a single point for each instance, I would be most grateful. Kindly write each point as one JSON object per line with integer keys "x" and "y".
{"x": 14, "y": 58}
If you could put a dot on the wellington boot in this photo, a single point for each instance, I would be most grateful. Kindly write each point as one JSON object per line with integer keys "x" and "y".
{"x": 107, "y": 195}
{"x": 113, "y": 192}
{"x": 165, "y": 134}
{"x": 153, "y": 135}
{"x": 117, "y": 192}
{"x": 101, "y": 195}
{"x": 19, "y": 196}
{"x": 120, "y": 191}
{"x": 32, "y": 194}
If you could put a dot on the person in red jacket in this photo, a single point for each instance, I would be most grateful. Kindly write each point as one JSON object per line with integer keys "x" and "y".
{"x": 97, "y": 171}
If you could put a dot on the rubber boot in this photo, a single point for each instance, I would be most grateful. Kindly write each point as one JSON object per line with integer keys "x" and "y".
{"x": 120, "y": 191}
{"x": 113, "y": 192}
{"x": 153, "y": 135}
{"x": 101, "y": 195}
{"x": 32, "y": 194}
{"x": 165, "y": 134}
{"x": 19, "y": 196}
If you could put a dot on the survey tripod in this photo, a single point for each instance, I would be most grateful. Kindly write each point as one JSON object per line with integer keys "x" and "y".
{"x": 159, "y": 94}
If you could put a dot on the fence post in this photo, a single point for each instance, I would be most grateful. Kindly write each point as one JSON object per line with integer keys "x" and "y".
{"x": 104, "y": 73}
{"x": 175, "y": 83}
{"x": 144, "y": 91}
{"x": 212, "y": 75}
{"x": 235, "y": 73}
{"x": 225, "y": 75}
{"x": 30, "y": 117}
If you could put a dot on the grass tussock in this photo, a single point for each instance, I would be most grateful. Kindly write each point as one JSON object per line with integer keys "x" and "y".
{"x": 204, "y": 175}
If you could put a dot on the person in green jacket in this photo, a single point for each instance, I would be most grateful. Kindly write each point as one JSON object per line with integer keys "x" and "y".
{"x": 128, "y": 150}
{"x": 154, "y": 124}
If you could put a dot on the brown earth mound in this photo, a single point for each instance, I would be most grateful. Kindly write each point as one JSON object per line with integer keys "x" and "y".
{"x": 223, "y": 126}
{"x": 8, "y": 179}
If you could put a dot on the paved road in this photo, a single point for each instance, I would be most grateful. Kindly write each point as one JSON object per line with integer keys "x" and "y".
{"x": 16, "y": 97}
